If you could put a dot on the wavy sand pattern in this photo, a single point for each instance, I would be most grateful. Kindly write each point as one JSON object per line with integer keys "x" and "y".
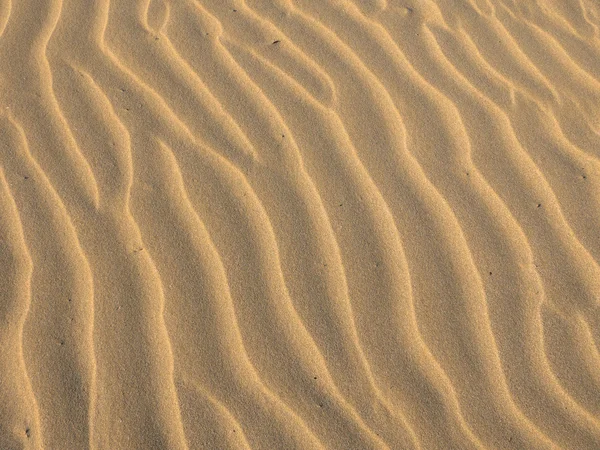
{"x": 300, "y": 224}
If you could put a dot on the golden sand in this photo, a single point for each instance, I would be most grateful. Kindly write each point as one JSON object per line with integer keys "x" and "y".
{"x": 299, "y": 224}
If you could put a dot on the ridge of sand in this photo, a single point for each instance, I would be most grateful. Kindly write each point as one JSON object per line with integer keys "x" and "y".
{"x": 311, "y": 224}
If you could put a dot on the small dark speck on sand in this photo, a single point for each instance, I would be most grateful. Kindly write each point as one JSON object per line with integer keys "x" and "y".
{"x": 276, "y": 42}
{"x": 539, "y": 205}
{"x": 28, "y": 432}
{"x": 26, "y": 177}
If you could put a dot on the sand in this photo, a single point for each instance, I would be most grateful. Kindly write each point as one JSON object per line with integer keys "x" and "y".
{"x": 299, "y": 224}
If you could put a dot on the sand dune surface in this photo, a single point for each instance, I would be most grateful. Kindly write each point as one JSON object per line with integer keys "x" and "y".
{"x": 299, "y": 224}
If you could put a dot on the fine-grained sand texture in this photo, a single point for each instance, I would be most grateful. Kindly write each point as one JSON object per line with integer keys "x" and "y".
{"x": 299, "y": 224}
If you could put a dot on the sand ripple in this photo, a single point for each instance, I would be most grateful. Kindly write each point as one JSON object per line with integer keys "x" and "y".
{"x": 299, "y": 224}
